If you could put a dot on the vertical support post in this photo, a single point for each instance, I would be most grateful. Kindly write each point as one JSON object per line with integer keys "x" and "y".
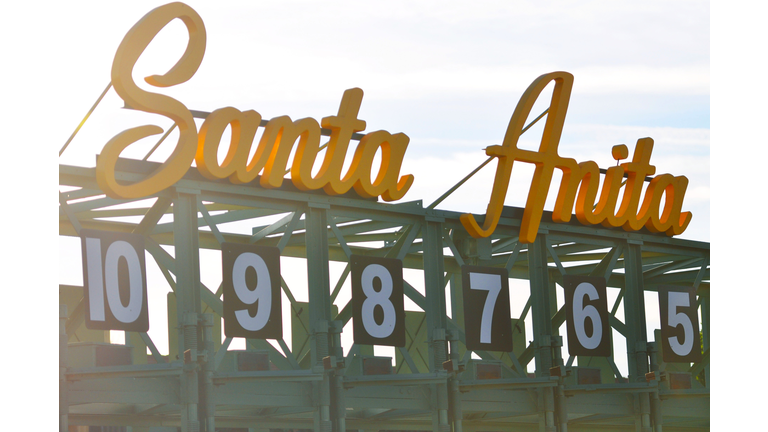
{"x": 337, "y": 382}
{"x": 549, "y": 409}
{"x": 634, "y": 313}
{"x": 435, "y": 296}
{"x": 656, "y": 410}
{"x": 436, "y": 318}
{"x": 320, "y": 312}
{"x": 653, "y": 354}
{"x": 453, "y": 383}
{"x": 637, "y": 339}
{"x": 172, "y": 306}
{"x": 556, "y": 351}
{"x": 704, "y": 296}
{"x": 560, "y": 404}
{"x": 541, "y": 309}
{"x": 656, "y": 418}
{"x": 457, "y": 312}
{"x": 562, "y": 409}
{"x": 558, "y": 393}
{"x": 63, "y": 360}
{"x": 457, "y": 306}
{"x": 188, "y": 303}
{"x": 538, "y": 277}
{"x": 207, "y": 373}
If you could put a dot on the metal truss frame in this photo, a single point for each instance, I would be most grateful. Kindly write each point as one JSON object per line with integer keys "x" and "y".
{"x": 318, "y": 383}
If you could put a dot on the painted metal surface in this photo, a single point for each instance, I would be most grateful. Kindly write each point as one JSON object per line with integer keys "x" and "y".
{"x": 325, "y": 383}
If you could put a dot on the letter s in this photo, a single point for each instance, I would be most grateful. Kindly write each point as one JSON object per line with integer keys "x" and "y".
{"x": 133, "y": 45}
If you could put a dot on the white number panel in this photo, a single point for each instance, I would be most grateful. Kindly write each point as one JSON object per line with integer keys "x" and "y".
{"x": 586, "y": 312}
{"x": 487, "y": 320}
{"x": 115, "y": 280}
{"x": 251, "y": 286}
{"x": 378, "y": 312}
{"x": 680, "y": 339}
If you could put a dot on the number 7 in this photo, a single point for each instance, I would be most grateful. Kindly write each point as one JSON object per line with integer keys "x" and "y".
{"x": 492, "y": 284}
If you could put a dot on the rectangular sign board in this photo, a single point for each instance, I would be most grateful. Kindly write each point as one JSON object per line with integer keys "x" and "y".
{"x": 251, "y": 287}
{"x": 378, "y": 309}
{"x": 115, "y": 281}
{"x": 680, "y": 339}
{"x": 487, "y": 323}
{"x": 586, "y": 312}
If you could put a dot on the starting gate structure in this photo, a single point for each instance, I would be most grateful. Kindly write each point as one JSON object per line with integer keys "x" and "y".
{"x": 435, "y": 384}
{"x": 319, "y": 378}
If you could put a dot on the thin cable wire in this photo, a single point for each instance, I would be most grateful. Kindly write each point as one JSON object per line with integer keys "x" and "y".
{"x": 86, "y": 118}
{"x": 490, "y": 158}
{"x": 160, "y": 142}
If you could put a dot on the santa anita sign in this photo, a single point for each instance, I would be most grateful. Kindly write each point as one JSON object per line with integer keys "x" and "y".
{"x": 659, "y": 209}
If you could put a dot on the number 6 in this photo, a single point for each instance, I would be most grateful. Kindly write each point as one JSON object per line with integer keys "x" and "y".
{"x": 586, "y": 299}
{"x": 581, "y": 313}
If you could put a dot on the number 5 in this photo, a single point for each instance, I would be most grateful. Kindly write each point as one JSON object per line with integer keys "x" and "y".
{"x": 678, "y": 310}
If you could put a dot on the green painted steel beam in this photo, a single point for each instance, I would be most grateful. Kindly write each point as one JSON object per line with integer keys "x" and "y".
{"x": 419, "y": 237}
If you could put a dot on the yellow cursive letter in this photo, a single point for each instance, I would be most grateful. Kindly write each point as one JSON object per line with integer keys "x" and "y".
{"x": 546, "y": 159}
{"x": 132, "y": 46}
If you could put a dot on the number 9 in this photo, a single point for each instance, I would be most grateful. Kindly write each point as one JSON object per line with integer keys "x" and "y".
{"x": 251, "y": 307}
{"x": 262, "y": 293}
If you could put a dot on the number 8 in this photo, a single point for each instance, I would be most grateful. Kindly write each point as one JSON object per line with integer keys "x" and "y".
{"x": 380, "y": 298}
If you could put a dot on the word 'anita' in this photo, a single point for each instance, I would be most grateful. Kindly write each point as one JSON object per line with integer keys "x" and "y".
{"x": 274, "y": 148}
{"x": 583, "y": 177}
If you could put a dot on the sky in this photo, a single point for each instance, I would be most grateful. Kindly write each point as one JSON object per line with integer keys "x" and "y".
{"x": 448, "y": 74}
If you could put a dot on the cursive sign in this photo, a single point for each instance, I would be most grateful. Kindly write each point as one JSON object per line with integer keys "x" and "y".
{"x": 582, "y": 177}
{"x": 273, "y": 150}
